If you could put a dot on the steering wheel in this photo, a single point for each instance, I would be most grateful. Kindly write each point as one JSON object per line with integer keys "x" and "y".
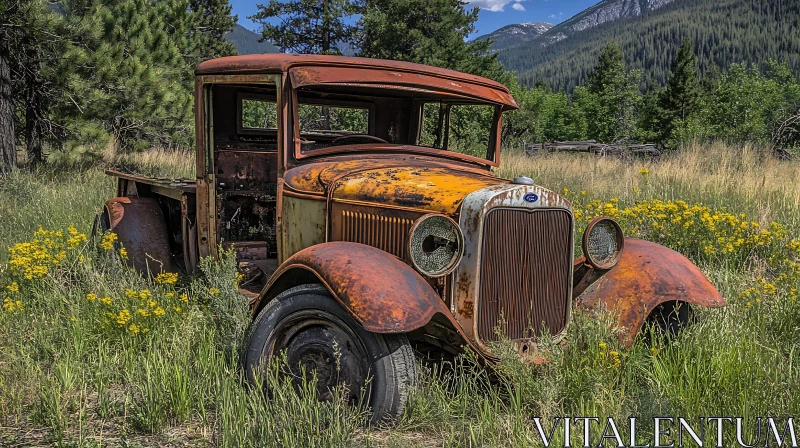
{"x": 367, "y": 137}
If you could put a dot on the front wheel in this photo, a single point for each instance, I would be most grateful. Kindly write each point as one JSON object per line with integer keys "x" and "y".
{"x": 320, "y": 337}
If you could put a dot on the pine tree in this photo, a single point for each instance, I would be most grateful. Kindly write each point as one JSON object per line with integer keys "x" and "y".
{"x": 432, "y": 32}
{"x": 308, "y": 26}
{"x": 135, "y": 61}
{"x": 211, "y": 22}
{"x": 612, "y": 97}
{"x": 680, "y": 101}
{"x": 609, "y": 71}
{"x": 28, "y": 41}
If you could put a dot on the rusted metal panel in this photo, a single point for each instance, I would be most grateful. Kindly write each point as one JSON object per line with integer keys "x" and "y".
{"x": 647, "y": 275}
{"x": 172, "y": 188}
{"x": 474, "y": 209}
{"x": 303, "y": 224}
{"x": 416, "y": 187}
{"x": 384, "y": 294}
{"x": 281, "y": 62}
{"x": 313, "y": 178}
{"x": 142, "y": 230}
{"x": 378, "y": 77}
{"x": 525, "y": 276}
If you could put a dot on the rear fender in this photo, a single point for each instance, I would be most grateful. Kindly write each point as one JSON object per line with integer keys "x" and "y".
{"x": 142, "y": 230}
{"x": 384, "y": 294}
{"x": 646, "y": 276}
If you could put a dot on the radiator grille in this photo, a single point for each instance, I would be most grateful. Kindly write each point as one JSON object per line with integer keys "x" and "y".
{"x": 522, "y": 302}
{"x": 385, "y": 233}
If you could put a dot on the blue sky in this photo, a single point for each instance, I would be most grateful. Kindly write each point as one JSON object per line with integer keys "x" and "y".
{"x": 494, "y": 13}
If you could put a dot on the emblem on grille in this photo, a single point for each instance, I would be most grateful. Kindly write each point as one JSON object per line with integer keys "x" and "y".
{"x": 531, "y": 197}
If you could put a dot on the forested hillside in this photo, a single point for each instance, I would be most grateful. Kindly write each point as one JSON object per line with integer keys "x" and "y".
{"x": 723, "y": 32}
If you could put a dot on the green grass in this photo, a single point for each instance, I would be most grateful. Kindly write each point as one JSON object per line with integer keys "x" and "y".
{"x": 68, "y": 378}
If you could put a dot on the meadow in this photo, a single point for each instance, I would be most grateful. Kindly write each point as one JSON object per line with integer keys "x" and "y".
{"x": 92, "y": 354}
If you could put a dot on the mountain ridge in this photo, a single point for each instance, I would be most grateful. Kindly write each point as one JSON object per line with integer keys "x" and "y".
{"x": 515, "y": 34}
{"x": 722, "y": 32}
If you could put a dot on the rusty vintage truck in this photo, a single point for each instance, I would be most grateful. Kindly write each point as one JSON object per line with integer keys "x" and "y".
{"x": 359, "y": 197}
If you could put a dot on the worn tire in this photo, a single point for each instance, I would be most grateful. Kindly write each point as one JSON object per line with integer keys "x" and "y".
{"x": 393, "y": 369}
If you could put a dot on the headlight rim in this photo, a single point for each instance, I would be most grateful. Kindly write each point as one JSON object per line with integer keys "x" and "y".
{"x": 456, "y": 260}
{"x": 585, "y": 243}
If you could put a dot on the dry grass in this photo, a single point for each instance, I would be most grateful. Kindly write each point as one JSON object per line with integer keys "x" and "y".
{"x": 155, "y": 162}
{"x": 744, "y": 178}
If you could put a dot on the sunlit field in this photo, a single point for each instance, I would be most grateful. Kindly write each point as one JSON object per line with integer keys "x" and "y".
{"x": 91, "y": 354}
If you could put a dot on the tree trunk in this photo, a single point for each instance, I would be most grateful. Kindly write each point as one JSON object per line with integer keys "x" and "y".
{"x": 8, "y": 147}
{"x": 33, "y": 108}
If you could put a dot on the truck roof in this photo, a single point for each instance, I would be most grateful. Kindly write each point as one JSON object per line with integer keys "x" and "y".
{"x": 282, "y": 62}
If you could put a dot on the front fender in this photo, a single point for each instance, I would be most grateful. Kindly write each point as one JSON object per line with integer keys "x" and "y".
{"x": 647, "y": 275}
{"x": 382, "y": 293}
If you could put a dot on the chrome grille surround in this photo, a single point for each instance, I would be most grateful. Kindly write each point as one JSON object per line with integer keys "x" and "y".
{"x": 467, "y": 279}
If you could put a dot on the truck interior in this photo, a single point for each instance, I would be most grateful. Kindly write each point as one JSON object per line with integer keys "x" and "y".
{"x": 245, "y": 132}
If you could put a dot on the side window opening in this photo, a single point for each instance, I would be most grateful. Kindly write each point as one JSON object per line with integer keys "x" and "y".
{"x": 461, "y": 128}
{"x": 333, "y": 119}
{"x": 258, "y": 114}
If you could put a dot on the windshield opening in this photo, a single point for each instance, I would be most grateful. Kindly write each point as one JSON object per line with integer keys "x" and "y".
{"x": 331, "y": 116}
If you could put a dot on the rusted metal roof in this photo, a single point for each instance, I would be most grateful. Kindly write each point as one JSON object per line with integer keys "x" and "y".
{"x": 385, "y": 71}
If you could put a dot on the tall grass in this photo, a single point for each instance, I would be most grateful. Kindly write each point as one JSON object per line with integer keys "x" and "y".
{"x": 67, "y": 381}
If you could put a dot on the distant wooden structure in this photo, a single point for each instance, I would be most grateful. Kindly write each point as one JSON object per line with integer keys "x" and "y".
{"x": 621, "y": 150}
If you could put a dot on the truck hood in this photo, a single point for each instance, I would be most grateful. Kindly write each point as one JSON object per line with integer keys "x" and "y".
{"x": 417, "y": 184}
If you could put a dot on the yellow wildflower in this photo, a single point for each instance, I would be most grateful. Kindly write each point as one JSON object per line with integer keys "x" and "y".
{"x": 123, "y": 317}
{"x": 91, "y": 297}
{"x": 159, "y": 311}
{"x": 133, "y": 329}
{"x": 213, "y": 291}
{"x": 167, "y": 278}
{"x": 108, "y": 240}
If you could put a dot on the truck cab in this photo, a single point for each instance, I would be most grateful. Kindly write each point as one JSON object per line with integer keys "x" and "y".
{"x": 360, "y": 199}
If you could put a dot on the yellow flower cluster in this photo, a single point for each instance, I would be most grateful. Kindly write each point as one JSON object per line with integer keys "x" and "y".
{"x": 693, "y": 229}
{"x": 606, "y": 357}
{"x": 48, "y": 249}
{"x": 11, "y": 305}
{"x": 136, "y": 312}
{"x": 703, "y": 233}
{"x": 167, "y": 278}
{"x": 108, "y": 240}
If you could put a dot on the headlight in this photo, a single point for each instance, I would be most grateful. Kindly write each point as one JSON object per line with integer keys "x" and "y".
{"x": 602, "y": 243}
{"x": 436, "y": 245}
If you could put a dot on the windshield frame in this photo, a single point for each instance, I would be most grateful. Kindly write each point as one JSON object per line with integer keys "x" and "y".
{"x": 493, "y": 150}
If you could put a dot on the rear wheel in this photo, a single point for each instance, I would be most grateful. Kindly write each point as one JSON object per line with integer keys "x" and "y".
{"x": 319, "y": 337}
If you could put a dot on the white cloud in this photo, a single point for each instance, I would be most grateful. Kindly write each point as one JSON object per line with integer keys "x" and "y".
{"x": 551, "y": 16}
{"x": 496, "y": 5}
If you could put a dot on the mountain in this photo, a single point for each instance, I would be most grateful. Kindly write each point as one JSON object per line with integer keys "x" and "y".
{"x": 723, "y": 32}
{"x": 603, "y": 12}
{"x": 511, "y": 35}
{"x": 247, "y": 42}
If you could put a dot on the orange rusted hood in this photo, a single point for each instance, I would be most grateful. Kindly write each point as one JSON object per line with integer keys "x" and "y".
{"x": 392, "y": 180}
{"x": 433, "y": 188}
